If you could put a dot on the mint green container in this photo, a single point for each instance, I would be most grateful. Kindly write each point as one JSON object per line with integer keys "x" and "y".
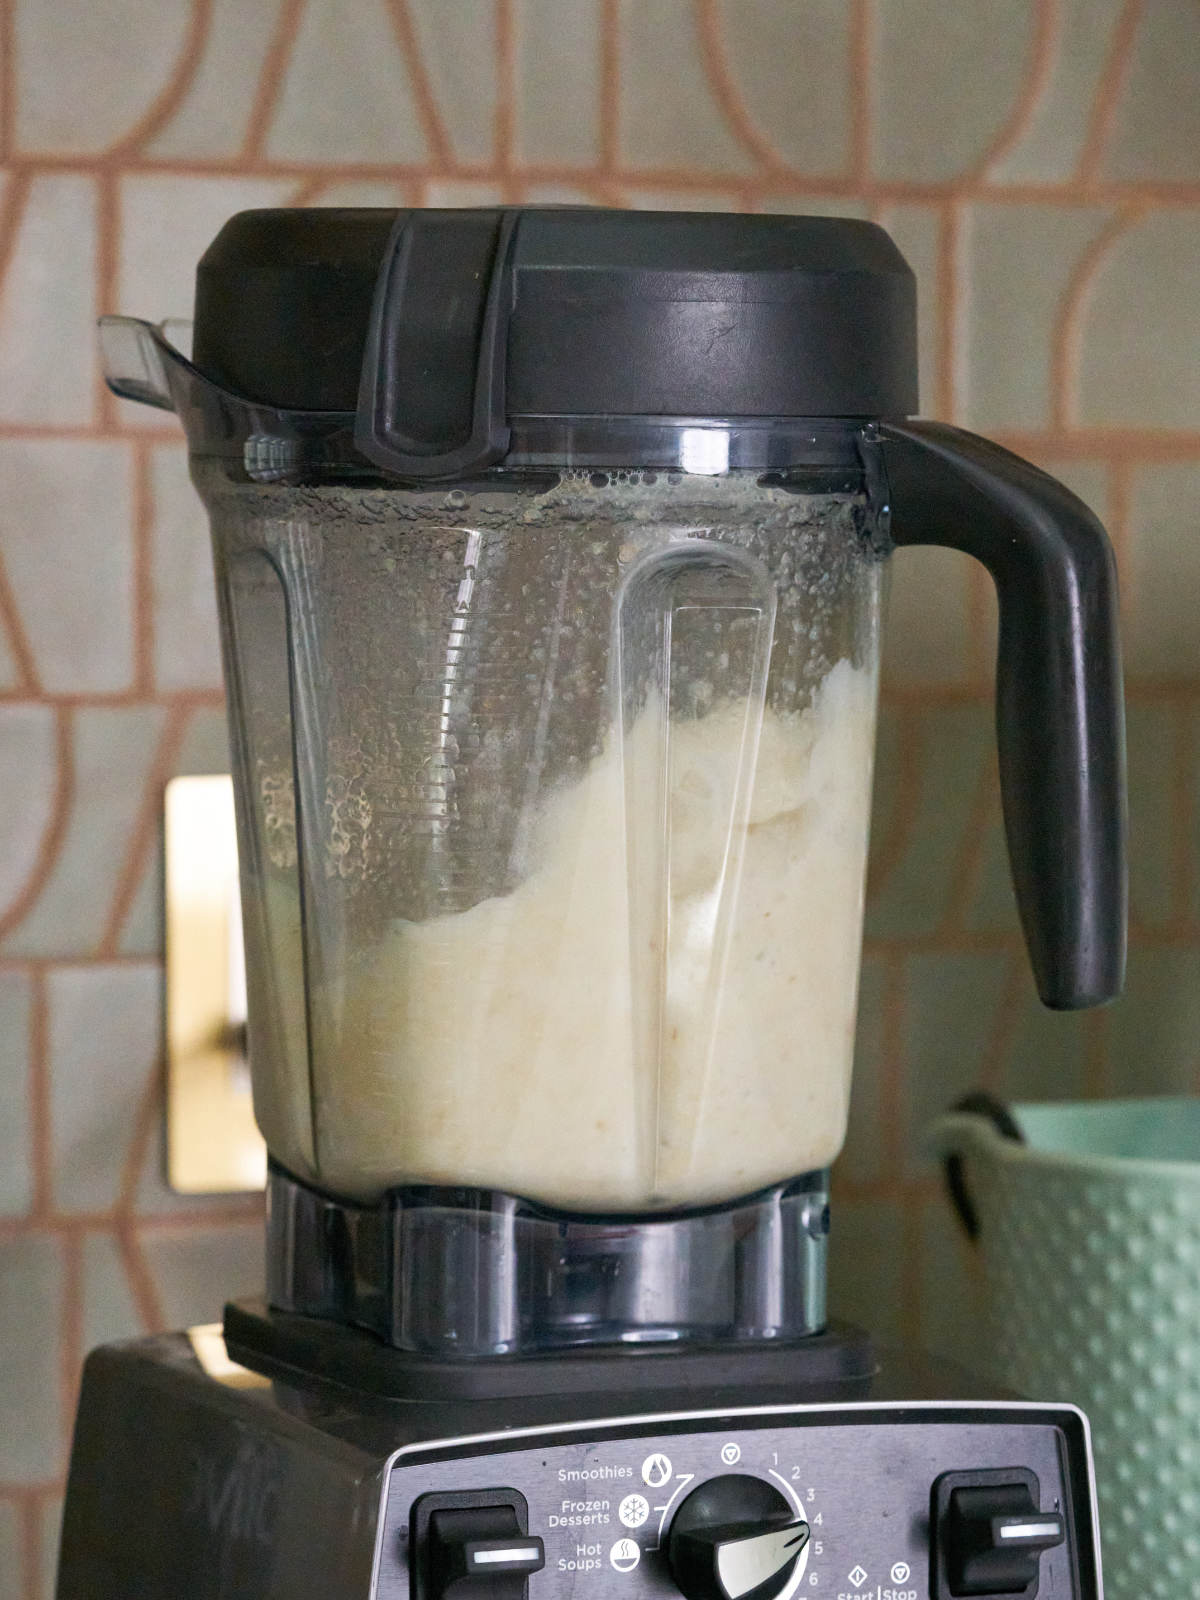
{"x": 1088, "y": 1228}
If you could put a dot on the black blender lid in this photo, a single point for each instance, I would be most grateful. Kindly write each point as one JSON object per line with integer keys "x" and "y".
{"x": 438, "y": 327}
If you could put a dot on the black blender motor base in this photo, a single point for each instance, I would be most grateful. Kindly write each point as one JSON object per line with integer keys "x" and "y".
{"x": 195, "y": 1479}
{"x": 838, "y": 1363}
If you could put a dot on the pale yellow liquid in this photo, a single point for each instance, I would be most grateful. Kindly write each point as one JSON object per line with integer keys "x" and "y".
{"x": 639, "y": 1023}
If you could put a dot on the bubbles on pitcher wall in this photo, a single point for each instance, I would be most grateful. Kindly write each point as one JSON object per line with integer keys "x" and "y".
{"x": 531, "y": 646}
{"x": 349, "y": 810}
{"x": 608, "y": 478}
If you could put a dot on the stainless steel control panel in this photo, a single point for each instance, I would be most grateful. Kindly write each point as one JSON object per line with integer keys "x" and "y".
{"x": 601, "y": 1497}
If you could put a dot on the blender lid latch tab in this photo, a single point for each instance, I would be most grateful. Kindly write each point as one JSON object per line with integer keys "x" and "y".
{"x": 437, "y": 351}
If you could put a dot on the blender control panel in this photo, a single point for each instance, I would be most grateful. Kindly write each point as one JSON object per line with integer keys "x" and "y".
{"x": 878, "y": 1504}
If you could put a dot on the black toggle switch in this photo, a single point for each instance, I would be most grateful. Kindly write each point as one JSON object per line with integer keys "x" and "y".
{"x": 989, "y": 1535}
{"x": 484, "y": 1558}
{"x": 473, "y": 1546}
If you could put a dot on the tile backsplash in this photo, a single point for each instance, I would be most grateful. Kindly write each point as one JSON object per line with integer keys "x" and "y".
{"x": 1039, "y": 163}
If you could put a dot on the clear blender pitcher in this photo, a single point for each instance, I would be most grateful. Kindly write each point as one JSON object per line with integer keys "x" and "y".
{"x": 550, "y": 548}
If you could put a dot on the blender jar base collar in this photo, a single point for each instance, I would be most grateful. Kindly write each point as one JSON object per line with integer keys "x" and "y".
{"x": 469, "y": 1272}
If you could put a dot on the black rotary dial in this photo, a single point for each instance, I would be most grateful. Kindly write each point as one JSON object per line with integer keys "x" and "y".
{"x": 736, "y": 1538}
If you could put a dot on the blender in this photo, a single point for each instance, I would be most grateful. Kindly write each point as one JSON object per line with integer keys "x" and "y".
{"x": 550, "y": 549}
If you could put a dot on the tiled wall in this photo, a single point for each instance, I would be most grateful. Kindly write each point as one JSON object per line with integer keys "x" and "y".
{"x": 1039, "y": 162}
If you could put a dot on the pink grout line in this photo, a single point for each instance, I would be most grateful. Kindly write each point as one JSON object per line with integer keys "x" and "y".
{"x": 727, "y": 94}
{"x": 949, "y": 291}
{"x": 71, "y": 1335}
{"x": 1044, "y": 45}
{"x": 8, "y": 61}
{"x": 862, "y": 69}
{"x": 56, "y": 825}
{"x": 433, "y": 127}
{"x": 1066, "y": 354}
{"x": 31, "y": 1548}
{"x": 41, "y": 1136}
{"x": 1108, "y": 93}
{"x": 108, "y": 246}
{"x": 141, "y": 1281}
{"x": 144, "y": 831}
{"x": 174, "y": 91}
{"x": 270, "y": 86}
{"x": 506, "y": 98}
{"x": 1183, "y": 193}
{"x": 609, "y": 109}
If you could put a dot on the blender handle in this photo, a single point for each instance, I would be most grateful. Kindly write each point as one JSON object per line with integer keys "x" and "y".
{"x": 1059, "y": 706}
